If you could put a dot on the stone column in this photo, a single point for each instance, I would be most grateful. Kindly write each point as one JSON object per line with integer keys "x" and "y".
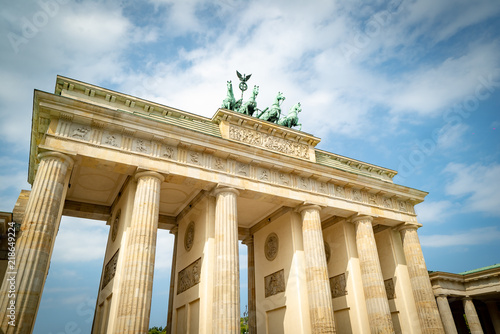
{"x": 427, "y": 310}
{"x": 172, "y": 282}
{"x": 35, "y": 243}
{"x": 318, "y": 284}
{"x": 226, "y": 304}
{"x": 446, "y": 315}
{"x": 136, "y": 286}
{"x": 494, "y": 314}
{"x": 471, "y": 315}
{"x": 377, "y": 304}
{"x": 252, "y": 307}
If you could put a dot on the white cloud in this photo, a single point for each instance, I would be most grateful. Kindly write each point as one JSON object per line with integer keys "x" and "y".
{"x": 477, "y": 236}
{"x": 452, "y": 136}
{"x": 80, "y": 240}
{"x": 164, "y": 250}
{"x": 479, "y": 185}
{"x": 434, "y": 212}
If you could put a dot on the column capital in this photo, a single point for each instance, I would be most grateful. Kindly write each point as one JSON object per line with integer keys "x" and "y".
{"x": 358, "y": 218}
{"x": 157, "y": 175}
{"x": 467, "y": 298}
{"x": 225, "y": 189}
{"x": 248, "y": 240}
{"x": 53, "y": 154}
{"x": 308, "y": 206}
{"x": 174, "y": 230}
{"x": 407, "y": 226}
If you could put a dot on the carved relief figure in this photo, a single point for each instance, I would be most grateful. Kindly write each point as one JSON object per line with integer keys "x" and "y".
{"x": 274, "y": 283}
{"x": 189, "y": 276}
{"x": 109, "y": 270}
{"x": 111, "y": 140}
{"x": 339, "y": 191}
{"x": 338, "y": 286}
{"x": 242, "y": 169}
{"x": 356, "y": 195}
{"x": 141, "y": 145}
{"x": 195, "y": 157}
{"x": 189, "y": 237}
{"x": 218, "y": 163}
{"x": 169, "y": 152}
{"x": 271, "y": 246}
{"x": 284, "y": 179}
{"x": 264, "y": 175}
{"x": 116, "y": 224}
{"x": 80, "y": 132}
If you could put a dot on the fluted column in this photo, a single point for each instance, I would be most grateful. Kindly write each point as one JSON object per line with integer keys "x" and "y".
{"x": 226, "y": 306}
{"x": 172, "y": 283}
{"x": 427, "y": 310}
{"x": 377, "y": 304}
{"x": 318, "y": 284}
{"x": 252, "y": 307}
{"x": 446, "y": 315}
{"x": 472, "y": 318}
{"x": 35, "y": 243}
{"x": 136, "y": 285}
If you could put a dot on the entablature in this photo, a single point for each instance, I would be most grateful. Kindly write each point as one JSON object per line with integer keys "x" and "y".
{"x": 64, "y": 123}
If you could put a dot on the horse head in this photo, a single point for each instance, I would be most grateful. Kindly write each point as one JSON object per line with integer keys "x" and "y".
{"x": 279, "y": 98}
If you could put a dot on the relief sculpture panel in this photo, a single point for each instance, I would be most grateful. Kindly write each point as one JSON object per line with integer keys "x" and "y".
{"x": 109, "y": 270}
{"x": 275, "y": 283}
{"x": 338, "y": 286}
{"x": 270, "y": 142}
{"x": 189, "y": 276}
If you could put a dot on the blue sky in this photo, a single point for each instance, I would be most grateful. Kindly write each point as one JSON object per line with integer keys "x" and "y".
{"x": 408, "y": 85}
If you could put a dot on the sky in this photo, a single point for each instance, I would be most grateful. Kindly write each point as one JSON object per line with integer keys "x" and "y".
{"x": 412, "y": 86}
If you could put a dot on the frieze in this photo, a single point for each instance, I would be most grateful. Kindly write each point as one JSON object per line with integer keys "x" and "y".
{"x": 128, "y": 142}
{"x": 189, "y": 276}
{"x": 109, "y": 270}
{"x": 272, "y": 143}
{"x": 338, "y": 286}
{"x": 274, "y": 283}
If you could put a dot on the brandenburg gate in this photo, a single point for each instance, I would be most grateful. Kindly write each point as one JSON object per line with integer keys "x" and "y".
{"x": 332, "y": 241}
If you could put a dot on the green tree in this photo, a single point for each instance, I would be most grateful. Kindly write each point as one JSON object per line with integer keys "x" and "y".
{"x": 244, "y": 325}
{"x": 157, "y": 330}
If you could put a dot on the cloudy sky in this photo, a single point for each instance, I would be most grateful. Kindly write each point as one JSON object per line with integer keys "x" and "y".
{"x": 408, "y": 85}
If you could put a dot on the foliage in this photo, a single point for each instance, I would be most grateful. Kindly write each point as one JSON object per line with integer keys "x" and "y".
{"x": 157, "y": 330}
{"x": 244, "y": 325}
